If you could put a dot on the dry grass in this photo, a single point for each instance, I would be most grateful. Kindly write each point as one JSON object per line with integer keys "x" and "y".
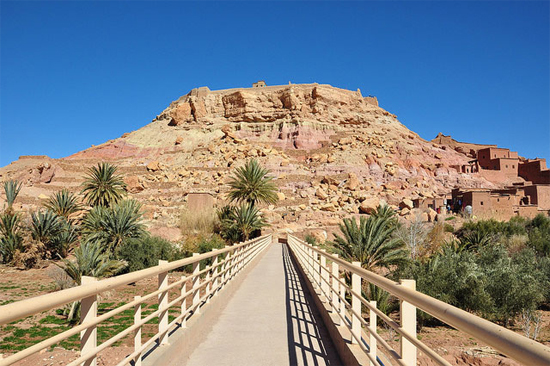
{"x": 197, "y": 222}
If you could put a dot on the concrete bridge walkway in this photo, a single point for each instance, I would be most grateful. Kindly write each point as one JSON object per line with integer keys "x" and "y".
{"x": 270, "y": 320}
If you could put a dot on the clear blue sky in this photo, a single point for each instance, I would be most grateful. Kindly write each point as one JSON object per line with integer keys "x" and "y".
{"x": 77, "y": 73}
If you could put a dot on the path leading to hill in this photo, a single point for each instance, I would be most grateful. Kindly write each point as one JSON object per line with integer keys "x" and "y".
{"x": 268, "y": 321}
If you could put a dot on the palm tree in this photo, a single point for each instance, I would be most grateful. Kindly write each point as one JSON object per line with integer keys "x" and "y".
{"x": 385, "y": 212}
{"x": 63, "y": 203}
{"x": 90, "y": 261}
{"x": 239, "y": 223}
{"x": 45, "y": 225}
{"x": 113, "y": 226}
{"x": 11, "y": 189}
{"x": 251, "y": 184}
{"x": 370, "y": 243}
{"x": 102, "y": 186}
{"x": 10, "y": 237}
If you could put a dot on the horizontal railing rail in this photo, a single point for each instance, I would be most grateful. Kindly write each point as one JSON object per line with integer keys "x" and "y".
{"x": 328, "y": 280}
{"x": 216, "y": 276}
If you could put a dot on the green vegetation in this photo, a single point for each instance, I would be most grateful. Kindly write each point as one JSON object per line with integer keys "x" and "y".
{"x": 146, "y": 252}
{"x": 371, "y": 242}
{"x": 11, "y": 240}
{"x": 495, "y": 269}
{"x": 240, "y": 223}
{"x": 11, "y": 189}
{"x": 498, "y": 270}
{"x": 113, "y": 226}
{"x": 102, "y": 186}
{"x": 92, "y": 261}
{"x": 251, "y": 184}
{"x": 63, "y": 204}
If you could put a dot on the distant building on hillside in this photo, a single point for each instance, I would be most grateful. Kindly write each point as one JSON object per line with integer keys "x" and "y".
{"x": 259, "y": 84}
{"x": 525, "y": 200}
{"x": 498, "y": 164}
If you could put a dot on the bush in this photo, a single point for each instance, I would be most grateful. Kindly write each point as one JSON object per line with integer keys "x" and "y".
{"x": 146, "y": 252}
{"x": 539, "y": 234}
{"x": 310, "y": 239}
{"x": 489, "y": 282}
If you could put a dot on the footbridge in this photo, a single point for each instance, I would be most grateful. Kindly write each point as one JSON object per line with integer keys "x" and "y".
{"x": 268, "y": 301}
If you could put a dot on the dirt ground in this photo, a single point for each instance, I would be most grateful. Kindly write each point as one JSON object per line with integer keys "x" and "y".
{"x": 455, "y": 346}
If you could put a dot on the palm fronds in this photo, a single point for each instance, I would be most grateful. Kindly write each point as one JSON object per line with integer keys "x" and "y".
{"x": 90, "y": 260}
{"x": 113, "y": 226}
{"x": 251, "y": 184}
{"x": 10, "y": 237}
{"x": 239, "y": 223}
{"x": 45, "y": 225}
{"x": 11, "y": 189}
{"x": 370, "y": 242}
{"x": 102, "y": 186}
{"x": 63, "y": 203}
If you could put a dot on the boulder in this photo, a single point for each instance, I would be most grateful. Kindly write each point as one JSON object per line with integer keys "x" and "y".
{"x": 353, "y": 182}
{"x": 432, "y": 215}
{"x": 320, "y": 236}
{"x": 153, "y": 166}
{"x": 133, "y": 185}
{"x": 407, "y": 203}
{"x": 321, "y": 194}
{"x": 369, "y": 205}
{"x": 328, "y": 207}
{"x": 179, "y": 140}
{"x": 281, "y": 196}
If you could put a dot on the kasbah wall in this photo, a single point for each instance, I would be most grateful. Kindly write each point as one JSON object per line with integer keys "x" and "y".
{"x": 527, "y": 185}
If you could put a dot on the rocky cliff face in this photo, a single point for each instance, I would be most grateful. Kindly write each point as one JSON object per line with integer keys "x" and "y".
{"x": 333, "y": 151}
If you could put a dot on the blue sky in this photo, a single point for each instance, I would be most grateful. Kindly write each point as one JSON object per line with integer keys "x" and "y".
{"x": 79, "y": 73}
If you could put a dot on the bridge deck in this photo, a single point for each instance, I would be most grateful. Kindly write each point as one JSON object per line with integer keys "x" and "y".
{"x": 270, "y": 320}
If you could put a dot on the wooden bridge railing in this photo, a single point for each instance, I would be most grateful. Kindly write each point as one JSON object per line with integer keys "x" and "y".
{"x": 226, "y": 264}
{"x": 326, "y": 271}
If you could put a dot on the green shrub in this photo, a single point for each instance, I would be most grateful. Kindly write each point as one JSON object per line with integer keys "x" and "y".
{"x": 310, "y": 239}
{"x": 146, "y": 252}
{"x": 539, "y": 234}
{"x": 489, "y": 282}
{"x": 449, "y": 228}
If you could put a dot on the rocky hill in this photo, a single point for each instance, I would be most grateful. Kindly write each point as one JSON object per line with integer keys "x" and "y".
{"x": 333, "y": 152}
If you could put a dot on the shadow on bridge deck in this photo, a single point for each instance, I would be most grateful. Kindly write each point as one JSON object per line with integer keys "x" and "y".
{"x": 308, "y": 340}
{"x": 269, "y": 320}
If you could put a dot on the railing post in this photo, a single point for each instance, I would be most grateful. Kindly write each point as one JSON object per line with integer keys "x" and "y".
{"x": 372, "y": 329}
{"x": 163, "y": 305}
{"x": 227, "y": 266}
{"x": 137, "y": 335}
{"x": 184, "y": 289}
{"x": 355, "y": 306}
{"x": 196, "y": 282}
{"x": 208, "y": 287}
{"x": 88, "y": 312}
{"x": 309, "y": 252}
{"x": 324, "y": 276}
{"x": 408, "y": 323}
{"x": 317, "y": 273}
{"x": 335, "y": 286}
{"x": 342, "y": 290}
{"x": 215, "y": 272}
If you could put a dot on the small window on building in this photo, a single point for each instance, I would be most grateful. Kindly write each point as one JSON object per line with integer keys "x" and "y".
{"x": 498, "y": 199}
{"x": 506, "y": 166}
{"x": 481, "y": 203}
{"x": 483, "y": 157}
{"x": 513, "y": 166}
{"x": 495, "y": 155}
